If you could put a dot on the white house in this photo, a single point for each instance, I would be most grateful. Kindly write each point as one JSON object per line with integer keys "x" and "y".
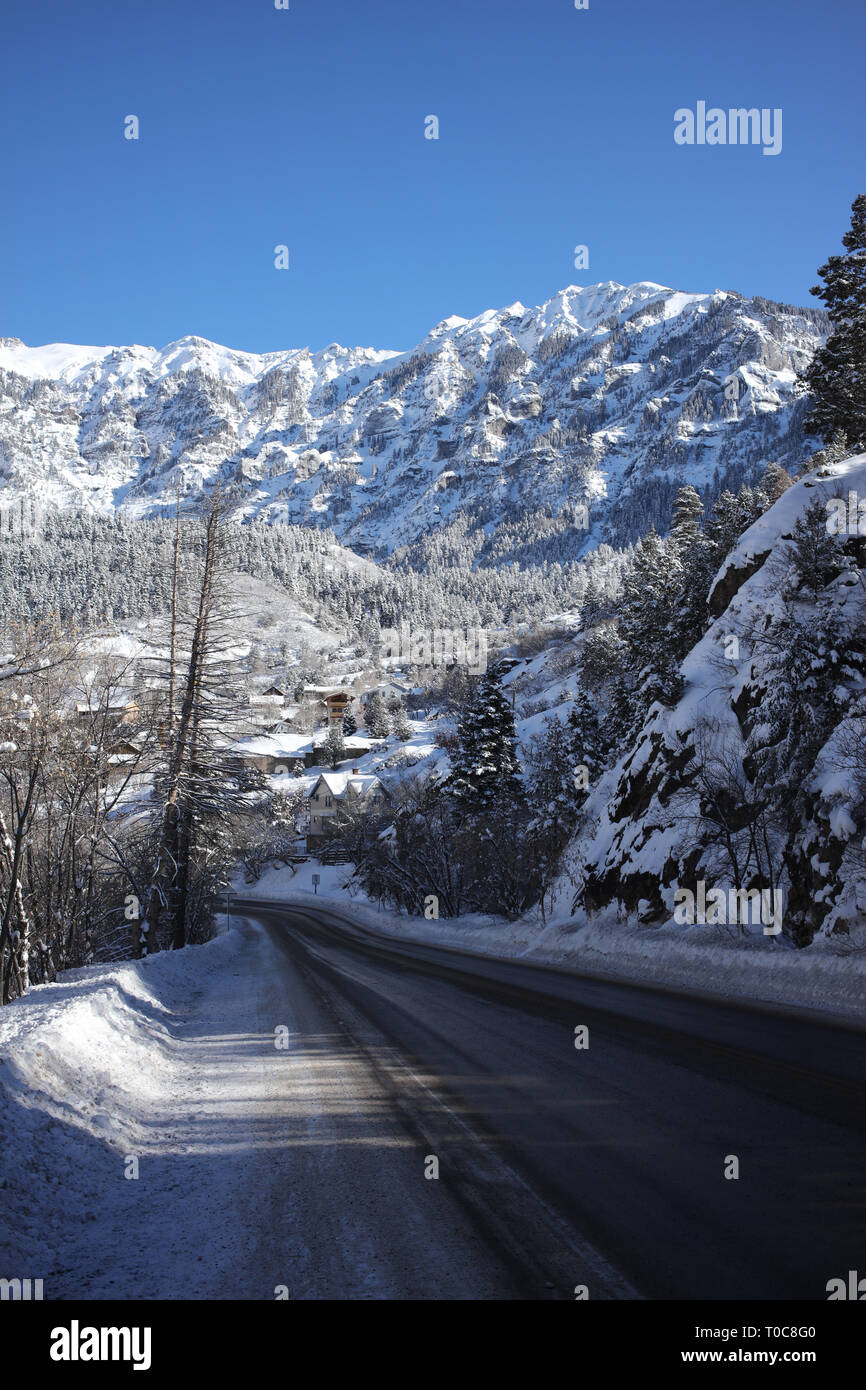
{"x": 387, "y": 689}
{"x": 333, "y": 788}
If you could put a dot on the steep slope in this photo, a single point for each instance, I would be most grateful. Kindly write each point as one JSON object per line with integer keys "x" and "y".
{"x": 756, "y": 778}
{"x": 605, "y": 397}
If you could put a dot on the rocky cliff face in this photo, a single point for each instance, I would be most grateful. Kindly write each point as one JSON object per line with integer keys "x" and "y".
{"x": 606, "y": 397}
{"x": 757, "y": 776}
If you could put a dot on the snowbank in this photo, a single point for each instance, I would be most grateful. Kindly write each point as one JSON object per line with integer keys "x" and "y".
{"x": 93, "y": 1070}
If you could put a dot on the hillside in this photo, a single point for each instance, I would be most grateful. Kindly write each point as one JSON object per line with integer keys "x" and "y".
{"x": 755, "y": 776}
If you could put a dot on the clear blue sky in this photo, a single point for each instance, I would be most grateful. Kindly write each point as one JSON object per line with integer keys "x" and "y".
{"x": 306, "y": 128}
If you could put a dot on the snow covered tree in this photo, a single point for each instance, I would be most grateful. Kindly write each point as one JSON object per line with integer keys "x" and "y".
{"x": 587, "y": 748}
{"x": 836, "y": 376}
{"x": 485, "y": 766}
{"x": 376, "y": 716}
{"x": 686, "y": 520}
{"x": 816, "y": 553}
{"x": 604, "y": 657}
{"x": 775, "y": 482}
{"x": 621, "y": 719}
{"x": 402, "y": 727}
{"x": 594, "y": 605}
{"x": 807, "y": 664}
{"x": 333, "y": 747}
{"x": 698, "y": 560}
{"x": 194, "y": 789}
{"x": 836, "y": 451}
{"x": 350, "y": 724}
{"x": 650, "y": 598}
{"x": 732, "y": 515}
{"x": 418, "y": 863}
{"x": 734, "y": 818}
{"x": 562, "y": 765}
{"x": 71, "y": 833}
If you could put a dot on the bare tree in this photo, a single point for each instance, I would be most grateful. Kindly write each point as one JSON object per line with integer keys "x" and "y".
{"x": 194, "y": 789}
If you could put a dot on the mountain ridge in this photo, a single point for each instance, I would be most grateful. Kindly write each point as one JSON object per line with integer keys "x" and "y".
{"x": 591, "y": 407}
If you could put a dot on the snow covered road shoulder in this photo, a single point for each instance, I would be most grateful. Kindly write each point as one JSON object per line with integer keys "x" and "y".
{"x": 214, "y": 1124}
{"x": 137, "y": 1116}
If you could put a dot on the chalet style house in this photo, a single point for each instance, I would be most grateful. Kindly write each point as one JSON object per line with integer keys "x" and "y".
{"x": 333, "y": 788}
{"x": 284, "y": 751}
{"x": 333, "y": 700}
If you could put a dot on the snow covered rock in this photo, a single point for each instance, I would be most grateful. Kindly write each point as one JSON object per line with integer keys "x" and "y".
{"x": 756, "y": 777}
{"x": 607, "y": 395}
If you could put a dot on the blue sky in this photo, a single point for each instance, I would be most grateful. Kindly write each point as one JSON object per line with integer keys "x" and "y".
{"x": 305, "y": 127}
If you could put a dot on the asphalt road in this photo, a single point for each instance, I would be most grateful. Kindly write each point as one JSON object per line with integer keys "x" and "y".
{"x": 561, "y": 1167}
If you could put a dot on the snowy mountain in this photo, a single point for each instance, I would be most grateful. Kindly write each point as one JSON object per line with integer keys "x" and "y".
{"x": 605, "y": 398}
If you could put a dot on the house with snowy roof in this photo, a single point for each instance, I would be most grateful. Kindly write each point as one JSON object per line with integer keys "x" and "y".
{"x": 389, "y": 690}
{"x": 331, "y": 790}
{"x": 332, "y": 700}
{"x": 272, "y": 753}
{"x": 121, "y": 707}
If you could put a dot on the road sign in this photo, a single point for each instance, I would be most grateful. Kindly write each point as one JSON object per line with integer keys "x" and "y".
{"x": 316, "y": 881}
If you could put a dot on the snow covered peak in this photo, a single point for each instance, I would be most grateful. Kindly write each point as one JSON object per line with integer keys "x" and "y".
{"x": 603, "y": 397}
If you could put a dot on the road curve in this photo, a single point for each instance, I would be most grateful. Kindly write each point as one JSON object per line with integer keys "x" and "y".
{"x": 562, "y": 1168}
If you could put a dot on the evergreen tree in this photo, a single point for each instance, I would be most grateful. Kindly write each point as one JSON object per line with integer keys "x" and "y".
{"x": 554, "y": 796}
{"x": 402, "y": 727}
{"x": 586, "y": 744}
{"x": 775, "y": 481}
{"x": 817, "y": 556}
{"x": 839, "y": 448}
{"x": 333, "y": 747}
{"x": 696, "y": 555}
{"x": 822, "y": 462}
{"x": 350, "y": 724}
{"x": 686, "y": 521}
{"x": 376, "y": 716}
{"x": 620, "y": 721}
{"x": 192, "y": 792}
{"x": 593, "y": 606}
{"x": 485, "y": 767}
{"x": 809, "y": 664}
{"x": 836, "y": 376}
{"x": 650, "y": 596}
{"x": 732, "y": 515}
